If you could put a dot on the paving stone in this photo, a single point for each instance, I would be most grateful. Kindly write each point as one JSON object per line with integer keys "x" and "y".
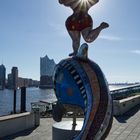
{"x": 132, "y": 136}
{"x": 111, "y": 137}
{"x": 123, "y": 128}
{"x": 123, "y": 135}
{"x": 138, "y": 138}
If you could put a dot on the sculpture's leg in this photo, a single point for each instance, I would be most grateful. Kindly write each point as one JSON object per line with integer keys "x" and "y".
{"x": 90, "y": 34}
{"x": 75, "y": 36}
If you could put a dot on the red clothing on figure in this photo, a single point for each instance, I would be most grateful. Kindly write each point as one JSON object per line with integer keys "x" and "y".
{"x": 78, "y": 22}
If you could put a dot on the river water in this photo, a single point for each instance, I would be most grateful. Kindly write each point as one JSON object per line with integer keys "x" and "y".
{"x": 32, "y": 95}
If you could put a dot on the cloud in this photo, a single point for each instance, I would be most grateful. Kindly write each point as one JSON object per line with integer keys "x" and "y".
{"x": 136, "y": 51}
{"x": 110, "y": 38}
{"x": 116, "y": 38}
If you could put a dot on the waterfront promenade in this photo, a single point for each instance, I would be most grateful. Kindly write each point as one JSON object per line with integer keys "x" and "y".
{"x": 126, "y": 127}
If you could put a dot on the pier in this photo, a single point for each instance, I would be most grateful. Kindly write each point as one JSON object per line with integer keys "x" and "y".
{"x": 125, "y": 127}
{"x": 126, "y": 124}
{"x": 125, "y": 92}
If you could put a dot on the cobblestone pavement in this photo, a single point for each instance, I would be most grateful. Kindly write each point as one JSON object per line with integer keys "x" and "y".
{"x": 126, "y": 127}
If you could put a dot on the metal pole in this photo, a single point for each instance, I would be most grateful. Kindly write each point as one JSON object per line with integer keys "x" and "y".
{"x": 14, "y": 102}
{"x": 23, "y": 99}
{"x": 74, "y": 122}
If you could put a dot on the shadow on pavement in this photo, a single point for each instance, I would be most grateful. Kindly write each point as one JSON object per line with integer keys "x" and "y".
{"x": 20, "y": 134}
{"x": 123, "y": 118}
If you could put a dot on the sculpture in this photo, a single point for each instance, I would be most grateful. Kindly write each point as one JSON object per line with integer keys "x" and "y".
{"x": 79, "y": 83}
{"x": 80, "y": 22}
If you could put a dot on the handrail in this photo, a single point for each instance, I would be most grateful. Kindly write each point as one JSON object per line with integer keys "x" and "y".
{"x": 125, "y": 92}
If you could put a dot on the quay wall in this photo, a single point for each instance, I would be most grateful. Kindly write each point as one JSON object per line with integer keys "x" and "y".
{"x": 124, "y": 105}
{"x": 12, "y": 124}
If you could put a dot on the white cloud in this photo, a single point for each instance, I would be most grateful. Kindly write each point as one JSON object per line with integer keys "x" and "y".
{"x": 136, "y": 51}
{"x": 110, "y": 38}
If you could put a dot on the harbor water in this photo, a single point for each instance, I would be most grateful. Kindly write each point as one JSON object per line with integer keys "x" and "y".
{"x": 32, "y": 95}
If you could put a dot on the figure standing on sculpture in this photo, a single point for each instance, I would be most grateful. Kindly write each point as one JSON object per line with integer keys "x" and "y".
{"x": 80, "y": 22}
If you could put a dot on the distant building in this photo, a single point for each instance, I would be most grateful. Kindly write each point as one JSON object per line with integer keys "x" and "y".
{"x": 27, "y": 82}
{"x": 46, "y": 66}
{"x": 46, "y": 72}
{"x": 13, "y": 78}
{"x": 2, "y": 76}
{"x": 9, "y": 81}
{"x": 46, "y": 82}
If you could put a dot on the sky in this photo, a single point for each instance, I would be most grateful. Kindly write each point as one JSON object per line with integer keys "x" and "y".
{"x": 30, "y": 29}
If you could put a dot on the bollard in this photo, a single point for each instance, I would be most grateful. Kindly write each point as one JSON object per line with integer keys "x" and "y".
{"x": 14, "y": 101}
{"x": 37, "y": 117}
{"x": 23, "y": 100}
{"x": 74, "y": 122}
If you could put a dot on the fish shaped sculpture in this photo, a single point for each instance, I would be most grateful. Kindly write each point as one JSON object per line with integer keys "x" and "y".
{"x": 80, "y": 83}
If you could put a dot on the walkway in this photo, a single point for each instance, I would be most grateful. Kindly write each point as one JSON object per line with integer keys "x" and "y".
{"x": 126, "y": 127}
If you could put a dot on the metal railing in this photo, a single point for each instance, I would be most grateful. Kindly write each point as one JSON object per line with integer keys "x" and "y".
{"x": 125, "y": 92}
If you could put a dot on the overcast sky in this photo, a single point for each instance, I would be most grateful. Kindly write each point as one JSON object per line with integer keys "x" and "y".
{"x": 30, "y": 29}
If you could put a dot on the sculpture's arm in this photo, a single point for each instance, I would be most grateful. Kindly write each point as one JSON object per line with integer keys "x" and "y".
{"x": 75, "y": 3}
{"x": 67, "y": 2}
{"x": 92, "y": 2}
